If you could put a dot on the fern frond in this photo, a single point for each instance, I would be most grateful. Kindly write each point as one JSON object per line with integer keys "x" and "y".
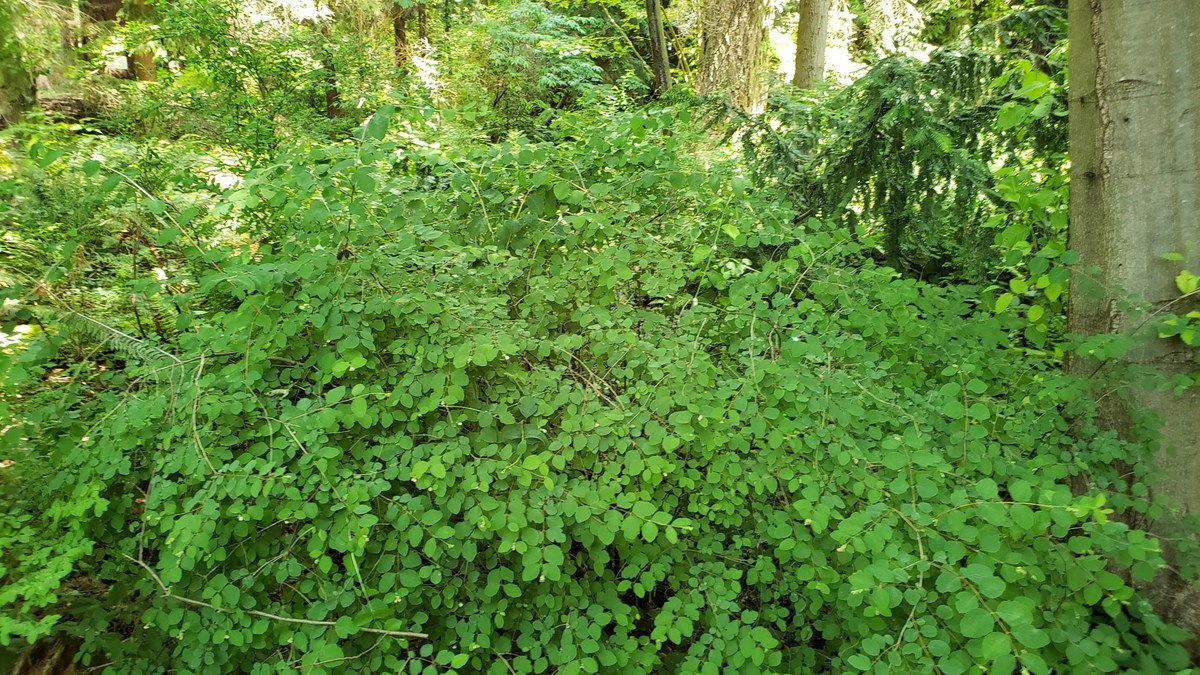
{"x": 122, "y": 342}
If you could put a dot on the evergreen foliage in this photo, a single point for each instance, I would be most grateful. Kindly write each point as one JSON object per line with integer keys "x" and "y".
{"x": 913, "y": 153}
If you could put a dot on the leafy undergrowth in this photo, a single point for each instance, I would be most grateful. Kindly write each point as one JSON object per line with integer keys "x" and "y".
{"x": 586, "y": 406}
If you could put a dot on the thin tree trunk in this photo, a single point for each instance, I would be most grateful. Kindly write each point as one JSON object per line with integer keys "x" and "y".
{"x": 422, "y": 22}
{"x": 659, "y": 64}
{"x": 731, "y": 54}
{"x": 333, "y": 104}
{"x": 400, "y": 35}
{"x": 1135, "y": 195}
{"x": 810, "y": 43}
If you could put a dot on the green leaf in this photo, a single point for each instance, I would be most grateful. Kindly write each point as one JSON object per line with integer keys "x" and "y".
{"x": 1029, "y": 636}
{"x": 344, "y": 627}
{"x": 987, "y": 489}
{"x": 167, "y": 236}
{"x": 335, "y": 395}
{"x": 976, "y": 623}
{"x": 528, "y": 406}
{"x": 1187, "y": 282}
{"x": 377, "y": 126}
{"x": 995, "y": 645}
{"x": 859, "y": 661}
{"x": 44, "y": 161}
{"x": 363, "y": 181}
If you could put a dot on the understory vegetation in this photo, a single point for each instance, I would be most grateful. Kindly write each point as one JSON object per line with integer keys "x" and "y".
{"x": 530, "y": 373}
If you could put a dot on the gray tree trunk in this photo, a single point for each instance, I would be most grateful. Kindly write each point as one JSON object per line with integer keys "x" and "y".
{"x": 810, "y": 43}
{"x": 659, "y": 64}
{"x": 732, "y": 59}
{"x": 1135, "y": 195}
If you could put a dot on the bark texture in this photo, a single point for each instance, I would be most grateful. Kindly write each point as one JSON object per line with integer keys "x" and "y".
{"x": 658, "y": 47}
{"x": 811, "y": 34}
{"x": 1135, "y": 195}
{"x": 732, "y": 59}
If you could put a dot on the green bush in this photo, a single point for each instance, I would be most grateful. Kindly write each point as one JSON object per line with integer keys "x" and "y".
{"x": 535, "y": 402}
{"x": 518, "y": 65}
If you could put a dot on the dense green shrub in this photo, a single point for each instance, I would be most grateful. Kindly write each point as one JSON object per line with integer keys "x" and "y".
{"x": 536, "y": 402}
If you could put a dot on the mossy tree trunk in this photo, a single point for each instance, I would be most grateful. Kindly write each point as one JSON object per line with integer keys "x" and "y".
{"x": 1135, "y": 196}
{"x": 659, "y": 64}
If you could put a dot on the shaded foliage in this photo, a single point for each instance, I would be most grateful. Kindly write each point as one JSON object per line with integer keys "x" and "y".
{"x": 908, "y": 153}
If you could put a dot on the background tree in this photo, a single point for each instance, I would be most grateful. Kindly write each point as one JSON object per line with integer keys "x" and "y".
{"x": 141, "y": 58}
{"x": 811, "y": 32}
{"x": 95, "y": 15}
{"x": 659, "y": 63}
{"x": 732, "y": 58}
{"x": 16, "y": 82}
{"x": 399, "y": 16}
{"x": 1135, "y": 188}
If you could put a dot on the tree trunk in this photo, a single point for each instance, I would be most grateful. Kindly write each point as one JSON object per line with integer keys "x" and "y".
{"x": 1135, "y": 195}
{"x": 141, "y": 60}
{"x": 659, "y": 64}
{"x": 400, "y": 35}
{"x": 422, "y": 22}
{"x": 333, "y": 99}
{"x": 99, "y": 11}
{"x": 731, "y": 53}
{"x": 17, "y": 91}
{"x": 810, "y": 43}
{"x": 96, "y": 11}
